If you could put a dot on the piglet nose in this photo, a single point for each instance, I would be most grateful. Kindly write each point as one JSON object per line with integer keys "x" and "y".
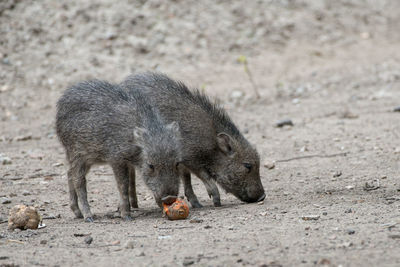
{"x": 169, "y": 199}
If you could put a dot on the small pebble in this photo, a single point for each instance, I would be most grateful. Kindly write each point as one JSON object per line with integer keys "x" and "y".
{"x": 5, "y": 200}
{"x": 116, "y": 242}
{"x": 347, "y": 115}
{"x": 325, "y": 213}
{"x": 310, "y": 217}
{"x": 237, "y": 94}
{"x": 43, "y": 242}
{"x": 129, "y": 244}
{"x": 284, "y": 122}
{"x": 6, "y": 61}
{"x": 396, "y": 109}
{"x": 88, "y": 240}
{"x": 5, "y": 160}
{"x": 351, "y": 231}
{"x": 207, "y": 227}
{"x": 269, "y": 165}
{"x": 25, "y": 193}
{"x": 196, "y": 220}
{"x": 187, "y": 262}
{"x": 337, "y": 174}
{"x": 348, "y": 211}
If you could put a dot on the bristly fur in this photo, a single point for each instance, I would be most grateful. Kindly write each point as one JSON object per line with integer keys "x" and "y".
{"x": 212, "y": 146}
{"x": 213, "y": 107}
{"x": 100, "y": 122}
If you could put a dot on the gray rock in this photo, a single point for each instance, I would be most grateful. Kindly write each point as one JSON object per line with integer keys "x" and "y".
{"x": 5, "y": 200}
{"x": 337, "y": 174}
{"x": 348, "y": 211}
{"x": 88, "y": 240}
{"x": 5, "y": 160}
{"x": 284, "y": 122}
{"x": 187, "y": 262}
{"x": 351, "y": 231}
{"x": 129, "y": 244}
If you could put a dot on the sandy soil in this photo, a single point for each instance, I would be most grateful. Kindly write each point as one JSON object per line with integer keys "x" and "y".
{"x": 332, "y": 67}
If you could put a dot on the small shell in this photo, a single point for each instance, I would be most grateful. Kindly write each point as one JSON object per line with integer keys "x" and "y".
{"x": 23, "y": 217}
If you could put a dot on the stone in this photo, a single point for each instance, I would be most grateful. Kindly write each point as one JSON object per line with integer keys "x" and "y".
{"x": 5, "y": 200}
{"x": 284, "y": 122}
{"x": 269, "y": 165}
{"x": 130, "y": 244}
{"x": 88, "y": 240}
{"x": 337, "y": 174}
{"x": 310, "y": 217}
{"x": 5, "y": 160}
{"x": 351, "y": 231}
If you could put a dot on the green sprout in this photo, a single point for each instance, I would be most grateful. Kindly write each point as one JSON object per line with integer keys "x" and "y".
{"x": 243, "y": 60}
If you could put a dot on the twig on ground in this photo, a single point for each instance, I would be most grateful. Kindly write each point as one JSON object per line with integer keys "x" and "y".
{"x": 173, "y": 228}
{"x": 243, "y": 60}
{"x": 14, "y": 241}
{"x": 51, "y": 217}
{"x": 314, "y": 156}
{"x": 137, "y": 236}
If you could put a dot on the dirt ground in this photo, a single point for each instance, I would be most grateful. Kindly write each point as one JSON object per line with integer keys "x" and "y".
{"x": 332, "y": 67}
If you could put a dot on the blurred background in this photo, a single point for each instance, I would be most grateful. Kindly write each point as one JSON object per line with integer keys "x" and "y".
{"x": 46, "y": 45}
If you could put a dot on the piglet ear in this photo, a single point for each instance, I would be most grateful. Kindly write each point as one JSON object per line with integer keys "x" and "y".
{"x": 173, "y": 126}
{"x": 225, "y": 143}
{"x": 139, "y": 135}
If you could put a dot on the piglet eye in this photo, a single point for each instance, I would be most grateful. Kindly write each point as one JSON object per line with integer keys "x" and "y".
{"x": 248, "y": 166}
{"x": 151, "y": 166}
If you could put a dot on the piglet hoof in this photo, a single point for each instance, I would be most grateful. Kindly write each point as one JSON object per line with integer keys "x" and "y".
{"x": 217, "y": 203}
{"x": 78, "y": 215}
{"x": 127, "y": 218}
{"x": 196, "y": 204}
{"x": 89, "y": 219}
